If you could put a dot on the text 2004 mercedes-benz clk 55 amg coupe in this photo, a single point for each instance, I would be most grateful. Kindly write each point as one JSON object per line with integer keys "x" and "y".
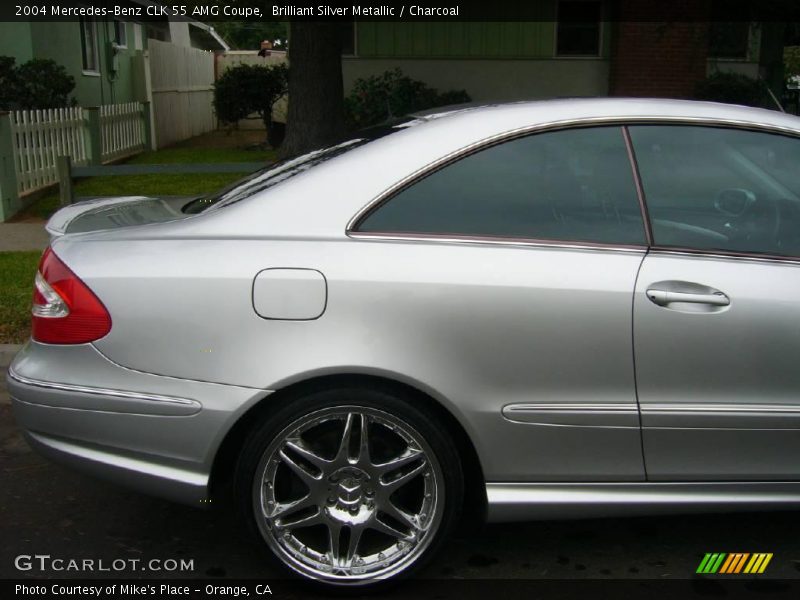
{"x": 542, "y": 309}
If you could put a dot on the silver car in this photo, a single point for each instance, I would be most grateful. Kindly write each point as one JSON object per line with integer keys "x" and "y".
{"x": 535, "y": 310}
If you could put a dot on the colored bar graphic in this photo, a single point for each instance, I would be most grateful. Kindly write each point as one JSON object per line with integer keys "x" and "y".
{"x": 734, "y": 563}
{"x": 727, "y": 564}
{"x": 741, "y": 558}
{"x": 704, "y": 564}
{"x": 758, "y": 563}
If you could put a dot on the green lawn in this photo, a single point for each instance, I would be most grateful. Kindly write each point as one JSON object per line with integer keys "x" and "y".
{"x": 158, "y": 184}
{"x": 17, "y": 270}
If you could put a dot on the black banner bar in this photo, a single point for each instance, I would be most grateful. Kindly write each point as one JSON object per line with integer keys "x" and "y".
{"x": 384, "y": 10}
{"x": 460, "y": 589}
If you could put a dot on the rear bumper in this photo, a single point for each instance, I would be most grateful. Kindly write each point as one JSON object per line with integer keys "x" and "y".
{"x": 156, "y": 434}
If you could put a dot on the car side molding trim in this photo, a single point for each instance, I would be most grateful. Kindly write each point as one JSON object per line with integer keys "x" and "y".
{"x": 109, "y": 400}
{"x": 508, "y": 502}
{"x": 721, "y": 416}
{"x": 618, "y": 415}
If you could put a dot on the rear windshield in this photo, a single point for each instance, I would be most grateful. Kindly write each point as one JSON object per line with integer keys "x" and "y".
{"x": 286, "y": 169}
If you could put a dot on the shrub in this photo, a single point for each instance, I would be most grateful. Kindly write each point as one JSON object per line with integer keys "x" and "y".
{"x": 246, "y": 89}
{"x": 39, "y": 83}
{"x": 791, "y": 61}
{"x": 375, "y": 99}
{"x": 733, "y": 88}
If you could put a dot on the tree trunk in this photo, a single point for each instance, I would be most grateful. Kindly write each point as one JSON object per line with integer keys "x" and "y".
{"x": 315, "y": 117}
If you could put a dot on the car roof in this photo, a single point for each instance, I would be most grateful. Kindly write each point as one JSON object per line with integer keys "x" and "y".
{"x": 542, "y": 112}
{"x": 320, "y": 202}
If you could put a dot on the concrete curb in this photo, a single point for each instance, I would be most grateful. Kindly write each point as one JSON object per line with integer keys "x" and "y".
{"x": 7, "y": 352}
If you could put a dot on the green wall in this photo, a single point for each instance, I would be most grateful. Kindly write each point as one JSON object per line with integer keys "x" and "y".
{"x": 15, "y": 40}
{"x": 455, "y": 40}
{"x": 531, "y": 40}
{"x": 61, "y": 42}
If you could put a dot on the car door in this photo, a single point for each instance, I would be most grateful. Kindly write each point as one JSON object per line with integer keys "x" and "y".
{"x": 717, "y": 303}
{"x": 516, "y": 265}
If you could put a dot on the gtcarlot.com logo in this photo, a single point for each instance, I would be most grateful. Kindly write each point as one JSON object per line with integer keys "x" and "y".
{"x": 734, "y": 563}
{"x": 46, "y": 562}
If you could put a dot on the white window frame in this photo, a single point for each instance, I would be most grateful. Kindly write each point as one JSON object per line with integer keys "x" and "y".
{"x": 88, "y": 28}
{"x": 120, "y": 27}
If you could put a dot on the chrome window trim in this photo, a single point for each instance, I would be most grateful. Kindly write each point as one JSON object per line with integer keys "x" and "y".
{"x": 67, "y": 387}
{"x": 721, "y": 254}
{"x": 621, "y": 121}
{"x": 493, "y": 240}
{"x": 637, "y": 182}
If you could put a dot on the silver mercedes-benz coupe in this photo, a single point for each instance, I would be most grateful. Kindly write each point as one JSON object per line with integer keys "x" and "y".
{"x": 534, "y": 310}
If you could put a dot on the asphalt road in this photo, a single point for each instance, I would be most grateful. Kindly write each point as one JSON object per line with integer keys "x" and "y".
{"x": 46, "y": 509}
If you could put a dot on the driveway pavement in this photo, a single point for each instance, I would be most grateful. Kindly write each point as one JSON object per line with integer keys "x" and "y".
{"x": 22, "y": 236}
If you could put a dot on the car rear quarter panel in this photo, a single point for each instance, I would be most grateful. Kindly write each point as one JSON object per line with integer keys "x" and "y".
{"x": 476, "y": 326}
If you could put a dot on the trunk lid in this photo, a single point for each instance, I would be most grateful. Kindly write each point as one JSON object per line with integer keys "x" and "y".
{"x": 115, "y": 212}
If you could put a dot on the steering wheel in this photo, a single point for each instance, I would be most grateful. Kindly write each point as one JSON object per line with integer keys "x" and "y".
{"x": 749, "y": 214}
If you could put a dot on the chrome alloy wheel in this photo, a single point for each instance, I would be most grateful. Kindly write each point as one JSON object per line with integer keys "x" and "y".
{"x": 348, "y": 494}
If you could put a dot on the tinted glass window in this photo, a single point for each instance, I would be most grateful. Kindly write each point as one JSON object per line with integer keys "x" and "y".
{"x": 729, "y": 39}
{"x": 286, "y": 169}
{"x": 567, "y": 185}
{"x": 89, "y": 44}
{"x": 721, "y": 189}
{"x": 578, "y": 31}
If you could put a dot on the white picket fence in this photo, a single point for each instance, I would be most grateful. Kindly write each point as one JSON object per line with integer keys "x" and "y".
{"x": 122, "y": 131}
{"x": 39, "y": 137}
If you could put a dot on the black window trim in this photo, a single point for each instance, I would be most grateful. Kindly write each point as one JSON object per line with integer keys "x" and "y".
{"x": 351, "y": 229}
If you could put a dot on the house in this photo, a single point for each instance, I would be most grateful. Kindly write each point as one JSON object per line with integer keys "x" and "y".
{"x": 99, "y": 55}
{"x": 104, "y": 56}
{"x": 138, "y": 85}
{"x": 575, "y": 48}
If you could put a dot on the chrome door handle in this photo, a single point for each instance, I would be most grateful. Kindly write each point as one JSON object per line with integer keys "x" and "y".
{"x": 662, "y": 298}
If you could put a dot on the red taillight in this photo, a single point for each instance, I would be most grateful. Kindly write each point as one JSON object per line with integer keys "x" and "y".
{"x": 65, "y": 311}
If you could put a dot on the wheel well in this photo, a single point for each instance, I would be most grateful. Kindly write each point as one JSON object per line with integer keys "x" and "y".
{"x": 475, "y": 503}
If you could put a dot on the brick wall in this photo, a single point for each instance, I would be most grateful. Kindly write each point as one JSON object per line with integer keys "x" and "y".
{"x": 659, "y": 49}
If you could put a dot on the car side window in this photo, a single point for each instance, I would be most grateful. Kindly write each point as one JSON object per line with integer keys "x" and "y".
{"x": 573, "y": 184}
{"x": 714, "y": 188}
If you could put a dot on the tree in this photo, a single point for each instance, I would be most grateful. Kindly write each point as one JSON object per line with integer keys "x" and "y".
{"x": 733, "y": 88}
{"x": 316, "y": 93}
{"x": 246, "y": 89}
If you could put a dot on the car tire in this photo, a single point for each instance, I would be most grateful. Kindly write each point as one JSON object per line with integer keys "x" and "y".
{"x": 341, "y": 508}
